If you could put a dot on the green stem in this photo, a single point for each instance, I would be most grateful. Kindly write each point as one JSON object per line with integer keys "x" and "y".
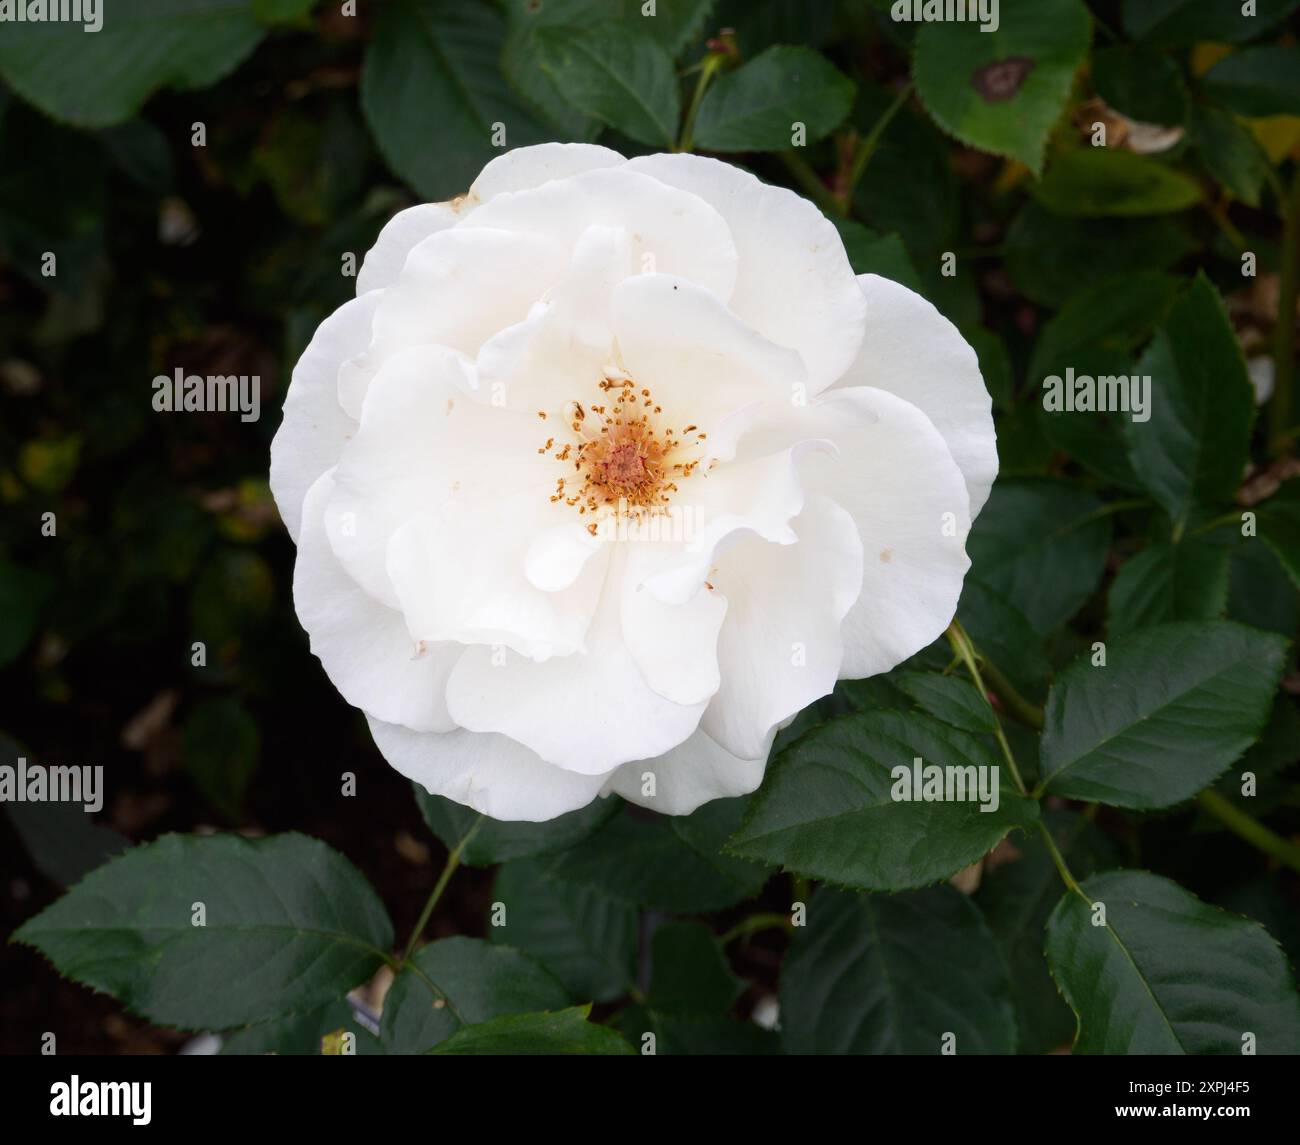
{"x": 1284, "y": 334}
{"x": 1062, "y": 868}
{"x": 448, "y": 869}
{"x": 1017, "y": 706}
{"x": 811, "y": 183}
{"x": 1219, "y": 215}
{"x": 1217, "y": 523}
{"x": 708, "y": 70}
{"x": 1109, "y": 509}
{"x": 867, "y": 147}
{"x": 754, "y": 923}
{"x": 962, "y": 645}
{"x": 1253, "y": 831}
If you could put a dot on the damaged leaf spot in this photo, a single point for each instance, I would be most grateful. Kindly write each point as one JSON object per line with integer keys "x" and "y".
{"x": 999, "y": 81}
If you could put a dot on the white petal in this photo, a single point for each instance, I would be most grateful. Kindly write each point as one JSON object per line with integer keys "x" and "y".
{"x": 780, "y": 648}
{"x": 461, "y": 575}
{"x": 457, "y": 289}
{"x": 686, "y": 777}
{"x": 895, "y": 476}
{"x": 315, "y": 425}
{"x": 384, "y": 261}
{"x": 674, "y": 645}
{"x": 757, "y": 497}
{"x": 794, "y": 283}
{"x": 699, "y": 360}
{"x": 527, "y": 167}
{"x": 363, "y": 645}
{"x": 588, "y": 712}
{"x": 672, "y": 232}
{"x": 558, "y": 354}
{"x": 913, "y": 351}
{"x": 493, "y": 775}
{"x": 412, "y": 437}
{"x": 557, "y": 556}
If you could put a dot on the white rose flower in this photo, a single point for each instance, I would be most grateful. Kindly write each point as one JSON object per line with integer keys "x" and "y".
{"x": 613, "y": 466}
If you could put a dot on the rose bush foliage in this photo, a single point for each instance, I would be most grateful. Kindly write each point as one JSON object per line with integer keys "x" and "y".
{"x": 829, "y": 249}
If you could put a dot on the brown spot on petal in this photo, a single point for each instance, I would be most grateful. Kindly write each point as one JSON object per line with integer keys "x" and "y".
{"x": 886, "y": 555}
{"x": 999, "y": 81}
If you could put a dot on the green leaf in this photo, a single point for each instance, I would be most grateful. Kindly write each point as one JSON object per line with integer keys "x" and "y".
{"x": 1168, "y": 974}
{"x": 674, "y": 23}
{"x": 756, "y": 107}
{"x": 143, "y": 152}
{"x": 1094, "y": 335}
{"x": 761, "y": 23}
{"x": 283, "y": 11}
{"x": 1195, "y": 446}
{"x": 1184, "y": 581}
{"x": 1097, "y": 182}
{"x": 1265, "y": 900}
{"x": 583, "y": 937}
{"x": 670, "y": 863}
{"x": 695, "y": 1035}
{"x": 52, "y": 198}
{"x": 1016, "y": 898}
{"x": 911, "y": 190}
{"x": 1276, "y": 750}
{"x": 459, "y": 982}
{"x": 300, "y": 1034}
{"x": 1279, "y": 527}
{"x": 496, "y": 841}
{"x": 1036, "y": 543}
{"x": 290, "y": 925}
{"x": 99, "y": 78}
{"x": 220, "y": 749}
{"x": 23, "y": 593}
{"x": 689, "y": 972}
{"x": 872, "y": 253}
{"x": 521, "y": 56}
{"x": 563, "y": 1032}
{"x": 1141, "y": 84}
{"x": 1231, "y": 153}
{"x": 1002, "y": 632}
{"x": 951, "y": 699}
{"x": 1261, "y": 593}
{"x": 827, "y": 807}
{"x": 1003, "y": 91}
{"x": 1257, "y": 81}
{"x": 995, "y": 365}
{"x": 431, "y": 91}
{"x": 1182, "y": 23}
{"x": 621, "y": 77}
{"x": 1052, "y": 257}
{"x": 1173, "y": 706}
{"x": 895, "y": 974}
{"x": 63, "y": 841}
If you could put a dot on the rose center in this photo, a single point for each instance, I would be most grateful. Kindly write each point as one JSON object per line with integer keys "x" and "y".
{"x": 624, "y": 459}
{"x": 625, "y": 468}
